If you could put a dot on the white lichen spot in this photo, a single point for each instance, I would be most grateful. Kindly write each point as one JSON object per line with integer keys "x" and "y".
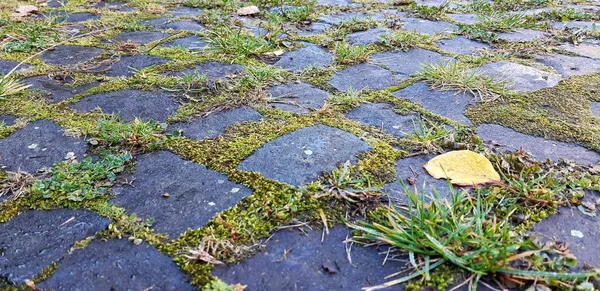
{"x": 576, "y": 233}
{"x": 235, "y": 190}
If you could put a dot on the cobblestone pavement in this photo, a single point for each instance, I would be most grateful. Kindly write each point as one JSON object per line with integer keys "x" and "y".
{"x": 192, "y": 144}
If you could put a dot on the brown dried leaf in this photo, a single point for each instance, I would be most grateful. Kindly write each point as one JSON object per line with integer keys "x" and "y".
{"x": 25, "y": 10}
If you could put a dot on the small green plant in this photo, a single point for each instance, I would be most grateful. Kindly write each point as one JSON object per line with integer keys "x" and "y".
{"x": 258, "y": 77}
{"x": 455, "y": 76}
{"x": 406, "y": 40}
{"x": 236, "y": 42}
{"x": 358, "y": 24}
{"x": 29, "y": 36}
{"x": 208, "y": 4}
{"x": 475, "y": 32}
{"x": 430, "y": 12}
{"x": 193, "y": 82}
{"x": 136, "y": 133}
{"x": 343, "y": 187}
{"x": 501, "y": 22}
{"x": 463, "y": 231}
{"x": 295, "y": 14}
{"x": 427, "y": 137}
{"x": 86, "y": 180}
{"x": 9, "y": 85}
{"x": 348, "y": 54}
{"x": 350, "y": 98}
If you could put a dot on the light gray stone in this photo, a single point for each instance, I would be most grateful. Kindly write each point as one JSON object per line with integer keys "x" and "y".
{"x": 363, "y": 76}
{"x": 570, "y": 65}
{"x": 519, "y": 77}
{"x": 409, "y": 62}
{"x": 522, "y": 35}
{"x": 427, "y": 26}
{"x": 215, "y": 124}
{"x": 367, "y": 37}
{"x": 308, "y": 56}
{"x": 585, "y": 49}
{"x": 298, "y": 98}
{"x": 462, "y": 45}
{"x": 382, "y": 116}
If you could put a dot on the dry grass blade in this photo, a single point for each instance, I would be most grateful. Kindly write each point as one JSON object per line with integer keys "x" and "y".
{"x": 16, "y": 184}
{"x": 9, "y": 85}
{"x": 211, "y": 248}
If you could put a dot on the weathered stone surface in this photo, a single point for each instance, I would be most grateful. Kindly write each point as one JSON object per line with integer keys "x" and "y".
{"x": 214, "y": 70}
{"x": 343, "y": 17}
{"x": 70, "y": 55}
{"x": 214, "y": 124}
{"x": 7, "y": 120}
{"x": 304, "y": 268}
{"x": 428, "y": 26}
{"x": 34, "y": 239}
{"x": 57, "y": 3}
{"x": 519, "y": 77}
{"x": 56, "y": 90}
{"x": 410, "y": 170}
{"x": 570, "y": 65}
{"x": 449, "y": 104}
{"x": 368, "y": 36}
{"x": 189, "y": 25}
{"x": 117, "y": 264}
{"x": 299, "y": 157}
{"x": 559, "y": 227}
{"x": 298, "y": 98}
{"x": 313, "y": 29}
{"x": 308, "y": 56}
{"x": 156, "y": 21}
{"x": 129, "y": 104}
{"x": 74, "y": 17}
{"x": 596, "y": 108}
{"x": 506, "y": 139}
{"x": 522, "y": 35}
{"x": 468, "y": 19}
{"x": 409, "y": 62}
{"x": 462, "y": 45}
{"x": 192, "y": 42}
{"x": 583, "y": 25}
{"x": 140, "y": 37}
{"x": 196, "y": 193}
{"x": 382, "y": 116}
{"x": 127, "y": 65}
{"x": 39, "y": 144}
{"x": 583, "y": 49}
{"x": 7, "y": 66}
{"x": 185, "y": 11}
{"x": 334, "y": 2}
{"x": 363, "y": 76}
{"x": 435, "y": 3}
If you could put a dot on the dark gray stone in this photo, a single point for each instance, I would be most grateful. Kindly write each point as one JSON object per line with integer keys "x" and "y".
{"x": 435, "y": 3}
{"x": 185, "y": 11}
{"x": 428, "y": 26}
{"x": 559, "y": 227}
{"x": 304, "y": 266}
{"x": 368, "y": 36}
{"x": 192, "y": 42}
{"x": 522, "y": 35}
{"x": 382, "y": 116}
{"x": 129, "y": 104}
{"x": 214, "y": 70}
{"x": 140, "y": 37}
{"x": 39, "y": 144}
{"x": 196, "y": 193}
{"x": 363, "y": 76}
{"x": 450, "y": 104}
{"x": 596, "y": 108}
{"x": 299, "y": 157}
{"x": 156, "y": 21}
{"x": 33, "y": 240}
{"x": 409, "y": 62}
{"x": 308, "y": 56}
{"x": 127, "y": 65}
{"x": 343, "y": 17}
{"x": 313, "y": 29}
{"x": 519, "y": 77}
{"x": 189, "y": 25}
{"x": 70, "y": 55}
{"x": 215, "y": 124}
{"x": 462, "y": 45}
{"x": 57, "y": 3}
{"x": 410, "y": 170}
{"x": 7, "y": 120}
{"x": 7, "y": 66}
{"x": 585, "y": 49}
{"x": 468, "y": 19}
{"x": 74, "y": 17}
{"x": 582, "y": 25}
{"x": 506, "y": 139}
{"x": 56, "y": 90}
{"x": 298, "y": 98}
{"x": 570, "y": 65}
{"x": 117, "y": 264}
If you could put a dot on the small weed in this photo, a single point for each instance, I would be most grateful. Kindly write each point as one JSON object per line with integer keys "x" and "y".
{"x": 136, "y": 133}
{"x": 463, "y": 231}
{"x": 236, "y": 42}
{"x": 86, "y": 180}
{"x": 258, "y": 77}
{"x": 29, "y": 36}
{"x": 15, "y": 184}
{"x": 475, "y": 32}
{"x": 351, "y": 98}
{"x": 348, "y": 54}
{"x": 406, "y": 40}
{"x": 430, "y": 12}
{"x": 9, "y": 85}
{"x": 296, "y": 14}
{"x": 454, "y": 76}
{"x": 193, "y": 82}
{"x": 501, "y": 22}
{"x": 427, "y": 137}
{"x": 209, "y": 4}
{"x": 358, "y": 24}
{"x": 342, "y": 187}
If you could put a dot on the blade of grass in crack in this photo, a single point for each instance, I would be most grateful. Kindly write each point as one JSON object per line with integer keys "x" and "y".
{"x": 551, "y": 275}
{"x": 405, "y": 278}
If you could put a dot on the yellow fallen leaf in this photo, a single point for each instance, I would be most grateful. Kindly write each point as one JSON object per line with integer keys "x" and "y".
{"x": 463, "y": 168}
{"x": 248, "y": 10}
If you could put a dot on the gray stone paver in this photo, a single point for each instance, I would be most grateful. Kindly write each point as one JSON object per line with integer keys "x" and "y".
{"x": 298, "y": 98}
{"x": 570, "y": 65}
{"x": 519, "y": 77}
{"x": 127, "y": 65}
{"x": 462, "y": 45}
{"x": 427, "y": 26}
{"x": 522, "y": 35}
{"x": 363, "y": 76}
{"x": 584, "y": 49}
{"x": 382, "y": 116}
{"x": 70, "y": 55}
{"x": 308, "y": 56}
{"x": 409, "y": 62}
{"x": 215, "y": 124}
{"x": 298, "y": 157}
{"x": 34, "y": 239}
